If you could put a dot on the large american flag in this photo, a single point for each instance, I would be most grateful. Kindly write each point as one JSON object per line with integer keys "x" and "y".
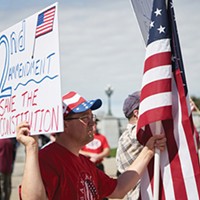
{"x": 45, "y": 22}
{"x": 165, "y": 107}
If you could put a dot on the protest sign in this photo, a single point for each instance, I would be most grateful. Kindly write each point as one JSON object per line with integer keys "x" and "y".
{"x": 30, "y": 85}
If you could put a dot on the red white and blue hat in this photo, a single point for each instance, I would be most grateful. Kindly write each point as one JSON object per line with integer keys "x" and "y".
{"x": 75, "y": 103}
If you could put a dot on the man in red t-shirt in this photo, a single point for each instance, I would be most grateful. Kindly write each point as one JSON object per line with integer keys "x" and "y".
{"x": 97, "y": 149}
{"x": 59, "y": 172}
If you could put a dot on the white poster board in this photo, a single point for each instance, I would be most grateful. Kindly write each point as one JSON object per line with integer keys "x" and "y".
{"x": 30, "y": 84}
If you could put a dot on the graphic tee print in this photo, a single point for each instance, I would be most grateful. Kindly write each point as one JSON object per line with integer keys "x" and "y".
{"x": 87, "y": 189}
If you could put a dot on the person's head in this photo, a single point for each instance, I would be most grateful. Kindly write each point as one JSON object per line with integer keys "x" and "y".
{"x": 131, "y": 105}
{"x": 78, "y": 117}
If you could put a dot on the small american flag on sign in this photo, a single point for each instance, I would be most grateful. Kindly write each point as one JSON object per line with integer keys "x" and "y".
{"x": 45, "y": 22}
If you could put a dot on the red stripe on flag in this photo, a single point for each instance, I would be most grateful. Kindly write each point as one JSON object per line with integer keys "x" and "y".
{"x": 156, "y": 114}
{"x": 157, "y": 60}
{"x": 160, "y": 113}
{"x": 155, "y": 87}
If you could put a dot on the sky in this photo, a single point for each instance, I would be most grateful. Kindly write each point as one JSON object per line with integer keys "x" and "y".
{"x": 101, "y": 45}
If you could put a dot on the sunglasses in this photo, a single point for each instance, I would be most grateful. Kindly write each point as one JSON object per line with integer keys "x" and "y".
{"x": 86, "y": 119}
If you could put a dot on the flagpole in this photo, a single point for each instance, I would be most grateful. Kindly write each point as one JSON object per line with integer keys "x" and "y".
{"x": 33, "y": 49}
{"x": 33, "y": 52}
{"x": 156, "y": 182}
{"x": 156, "y": 174}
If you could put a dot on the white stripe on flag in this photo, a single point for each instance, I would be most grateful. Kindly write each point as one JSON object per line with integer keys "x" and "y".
{"x": 166, "y": 176}
{"x": 155, "y": 74}
{"x": 155, "y": 101}
{"x": 158, "y": 46}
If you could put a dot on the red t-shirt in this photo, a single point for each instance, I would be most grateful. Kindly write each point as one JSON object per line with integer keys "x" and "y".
{"x": 67, "y": 176}
{"x": 97, "y": 145}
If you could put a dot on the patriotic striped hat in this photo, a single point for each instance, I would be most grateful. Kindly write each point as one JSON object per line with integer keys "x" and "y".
{"x": 74, "y": 103}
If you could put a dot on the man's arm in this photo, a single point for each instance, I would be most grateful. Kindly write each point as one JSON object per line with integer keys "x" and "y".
{"x": 130, "y": 177}
{"x": 32, "y": 187}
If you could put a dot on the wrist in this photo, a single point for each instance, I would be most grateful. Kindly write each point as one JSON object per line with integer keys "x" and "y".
{"x": 32, "y": 147}
{"x": 148, "y": 152}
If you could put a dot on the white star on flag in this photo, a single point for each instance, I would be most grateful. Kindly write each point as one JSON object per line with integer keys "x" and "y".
{"x": 158, "y": 12}
{"x": 152, "y": 24}
{"x": 161, "y": 29}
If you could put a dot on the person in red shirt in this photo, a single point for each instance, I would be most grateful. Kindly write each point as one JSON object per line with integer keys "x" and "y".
{"x": 59, "y": 172}
{"x": 97, "y": 149}
{"x": 7, "y": 156}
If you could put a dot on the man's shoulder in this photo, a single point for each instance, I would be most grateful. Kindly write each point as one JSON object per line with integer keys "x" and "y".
{"x": 124, "y": 134}
{"x": 48, "y": 149}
